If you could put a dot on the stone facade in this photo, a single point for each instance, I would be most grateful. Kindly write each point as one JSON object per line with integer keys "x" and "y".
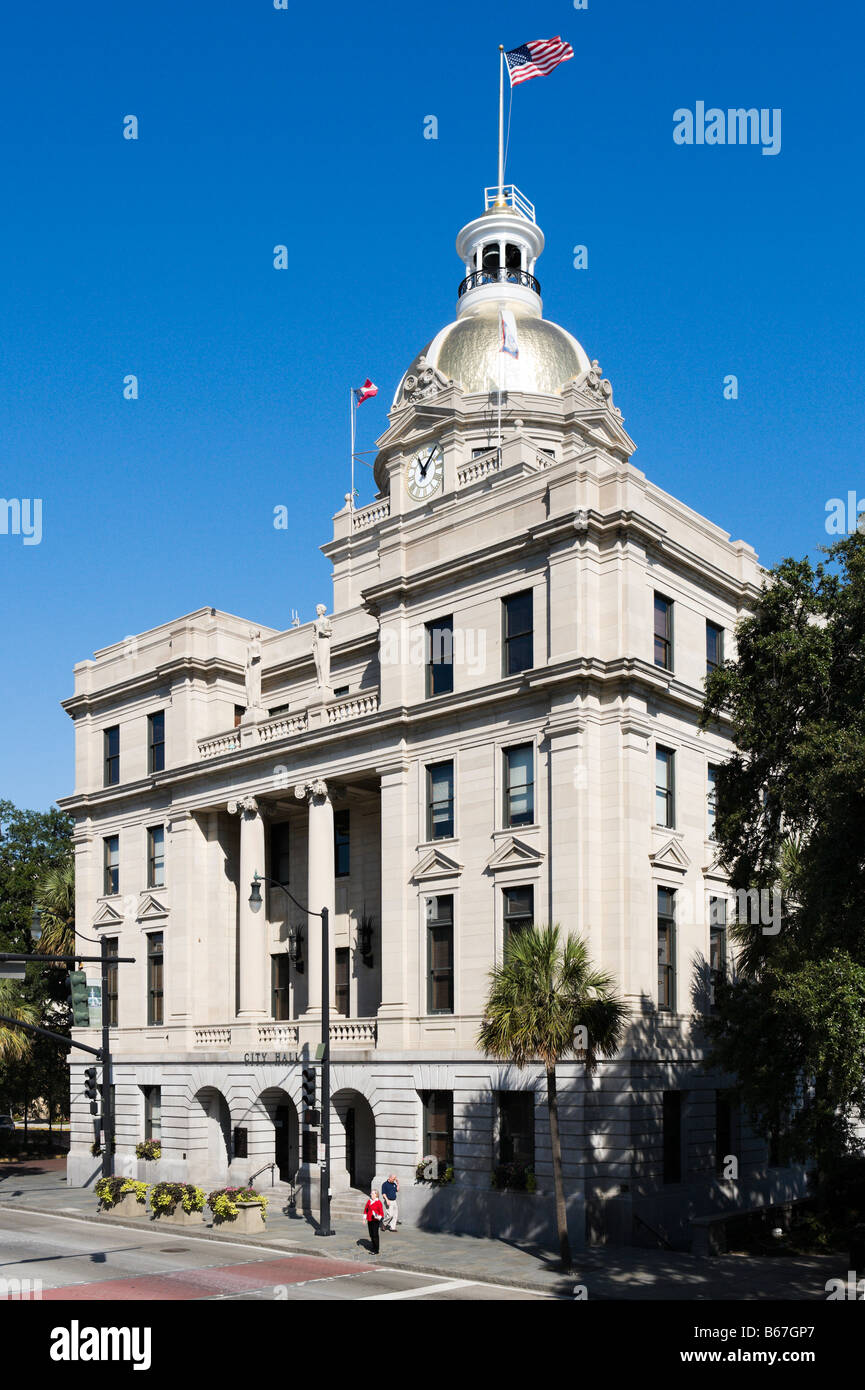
{"x": 277, "y": 744}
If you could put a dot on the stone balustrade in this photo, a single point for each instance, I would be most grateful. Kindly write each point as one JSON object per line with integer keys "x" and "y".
{"x": 354, "y": 1032}
{"x": 355, "y": 708}
{"x": 284, "y": 727}
{"x": 371, "y": 515}
{"x": 278, "y": 1034}
{"x": 215, "y": 747}
{"x": 287, "y": 726}
{"x": 212, "y": 1037}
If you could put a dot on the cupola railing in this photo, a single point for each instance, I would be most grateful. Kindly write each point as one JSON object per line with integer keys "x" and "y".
{"x": 498, "y": 277}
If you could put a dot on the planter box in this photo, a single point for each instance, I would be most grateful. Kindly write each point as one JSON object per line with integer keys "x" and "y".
{"x": 248, "y": 1221}
{"x": 127, "y": 1205}
{"x": 179, "y": 1217}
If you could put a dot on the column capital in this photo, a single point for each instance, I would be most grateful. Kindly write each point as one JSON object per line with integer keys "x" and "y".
{"x": 311, "y": 791}
{"x": 243, "y": 805}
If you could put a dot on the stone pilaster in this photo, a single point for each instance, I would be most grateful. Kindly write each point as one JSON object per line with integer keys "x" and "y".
{"x": 251, "y": 919}
{"x": 320, "y": 891}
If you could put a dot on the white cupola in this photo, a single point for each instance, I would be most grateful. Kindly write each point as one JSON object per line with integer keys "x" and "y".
{"x": 499, "y": 250}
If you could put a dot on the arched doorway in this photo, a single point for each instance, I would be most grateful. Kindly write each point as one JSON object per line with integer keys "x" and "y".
{"x": 353, "y": 1140}
{"x": 282, "y": 1114}
{"x": 210, "y": 1133}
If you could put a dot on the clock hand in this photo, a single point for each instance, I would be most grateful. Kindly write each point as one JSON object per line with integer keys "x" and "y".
{"x": 425, "y": 466}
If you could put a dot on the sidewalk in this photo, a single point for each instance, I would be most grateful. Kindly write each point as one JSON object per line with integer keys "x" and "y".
{"x": 607, "y": 1272}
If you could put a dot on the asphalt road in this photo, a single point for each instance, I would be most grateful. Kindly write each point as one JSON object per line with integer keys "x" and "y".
{"x": 77, "y": 1261}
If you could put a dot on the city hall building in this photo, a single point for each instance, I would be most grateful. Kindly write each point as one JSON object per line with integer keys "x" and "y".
{"x": 495, "y": 724}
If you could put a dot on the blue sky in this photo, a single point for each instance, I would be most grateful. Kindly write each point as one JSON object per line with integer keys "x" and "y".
{"x": 260, "y": 126}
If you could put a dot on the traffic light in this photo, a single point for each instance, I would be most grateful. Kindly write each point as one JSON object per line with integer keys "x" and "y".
{"x": 90, "y": 1088}
{"x": 308, "y": 1088}
{"x": 78, "y": 996}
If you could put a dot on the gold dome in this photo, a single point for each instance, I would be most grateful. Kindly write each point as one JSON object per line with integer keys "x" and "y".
{"x": 467, "y": 352}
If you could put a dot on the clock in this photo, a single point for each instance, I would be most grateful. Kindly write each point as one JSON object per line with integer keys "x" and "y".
{"x": 424, "y": 474}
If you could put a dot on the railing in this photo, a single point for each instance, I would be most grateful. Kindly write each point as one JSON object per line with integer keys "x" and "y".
{"x": 211, "y": 1037}
{"x": 278, "y": 1034}
{"x": 515, "y": 200}
{"x": 479, "y": 468}
{"x": 355, "y": 708}
{"x": 498, "y": 277}
{"x": 358, "y": 1032}
{"x": 283, "y": 727}
{"x": 371, "y": 515}
{"x": 288, "y": 725}
{"x": 223, "y": 743}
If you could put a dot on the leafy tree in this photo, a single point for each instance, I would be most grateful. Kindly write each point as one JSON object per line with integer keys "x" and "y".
{"x": 55, "y": 898}
{"x": 543, "y": 993}
{"x": 15, "y": 1042}
{"x": 790, "y": 1024}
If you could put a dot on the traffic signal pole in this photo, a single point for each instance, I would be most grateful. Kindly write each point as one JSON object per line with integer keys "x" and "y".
{"x": 107, "y": 1108}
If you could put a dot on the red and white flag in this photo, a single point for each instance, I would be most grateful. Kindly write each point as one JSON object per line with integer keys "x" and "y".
{"x": 537, "y": 58}
{"x": 365, "y": 392}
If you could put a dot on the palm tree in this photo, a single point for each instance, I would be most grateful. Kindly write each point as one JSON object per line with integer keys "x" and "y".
{"x": 55, "y": 898}
{"x": 15, "y": 1043}
{"x": 545, "y": 990}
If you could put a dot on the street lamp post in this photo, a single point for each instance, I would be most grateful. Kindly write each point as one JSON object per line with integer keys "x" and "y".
{"x": 324, "y": 1157}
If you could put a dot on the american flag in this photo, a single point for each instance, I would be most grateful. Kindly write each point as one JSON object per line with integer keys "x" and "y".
{"x": 537, "y": 58}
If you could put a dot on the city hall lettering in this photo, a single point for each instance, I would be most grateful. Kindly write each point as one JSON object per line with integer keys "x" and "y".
{"x": 491, "y": 722}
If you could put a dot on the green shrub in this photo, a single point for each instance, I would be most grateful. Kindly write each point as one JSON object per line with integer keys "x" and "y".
{"x": 166, "y": 1196}
{"x": 223, "y": 1202}
{"x": 110, "y": 1190}
{"x": 148, "y": 1149}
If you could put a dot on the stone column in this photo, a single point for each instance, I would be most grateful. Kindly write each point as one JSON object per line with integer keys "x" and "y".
{"x": 399, "y": 961}
{"x": 320, "y": 889}
{"x": 251, "y": 920}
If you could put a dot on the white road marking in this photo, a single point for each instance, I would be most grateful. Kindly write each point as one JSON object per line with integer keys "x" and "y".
{"x": 419, "y": 1293}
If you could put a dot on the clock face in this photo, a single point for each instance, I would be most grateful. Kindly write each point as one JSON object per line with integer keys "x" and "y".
{"x": 424, "y": 474}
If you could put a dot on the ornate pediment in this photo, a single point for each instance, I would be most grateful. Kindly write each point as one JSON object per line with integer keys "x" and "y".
{"x": 150, "y": 908}
{"x": 670, "y": 856}
{"x": 514, "y": 854}
{"x": 436, "y": 864}
{"x": 107, "y": 916}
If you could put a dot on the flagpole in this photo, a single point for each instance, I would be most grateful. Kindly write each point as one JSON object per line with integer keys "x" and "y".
{"x": 351, "y": 413}
{"x": 501, "y": 197}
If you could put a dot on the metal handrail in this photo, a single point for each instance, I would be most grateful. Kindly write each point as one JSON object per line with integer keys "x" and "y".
{"x": 498, "y": 277}
{"x": 271, "y": 1166}
{"x": 662, "y": 1240}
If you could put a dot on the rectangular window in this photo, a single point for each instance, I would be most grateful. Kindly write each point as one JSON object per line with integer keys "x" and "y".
{"x": 341, "y": 981}
{"x": 156, "y": 856}
{"x": 111, "y": 865}
{"x": 672, "y": 1136}
{"x": 438, "y": 1125}
{"x": 717, "y": 941}
{"x": 152, "y": 1113}
{"x": 440, "y": 657}
{"x": 280, "y": 1003}
{"x": 520, "y": 785}
{"x": 714, "y": 647}
{"x": 663, "y": 632}
{"x": 239, "y": 712}
{"x": 156, "y": 742}
{"x": 341, "y": 847}
{"x": 154, "y": 979}
{"x": 279, "y": 852}
{"x": 111, "y": 742}
{"x": 665, "y": 787}
{"x": 440, "y": 801}
{"x": 516, "y": 1127}
{"x": 440, "y": 955}
{"x": 667, "y": 950}
{"x": 519, "y": 632}
{"x": 111, "y": 1003}
{"x": 723, "y": 1129}
{"x": 711, "y": 798}
{"x": 519, "y": 909}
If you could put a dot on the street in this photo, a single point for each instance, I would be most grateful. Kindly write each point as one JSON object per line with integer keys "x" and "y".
{"x": 76, "y": 1260}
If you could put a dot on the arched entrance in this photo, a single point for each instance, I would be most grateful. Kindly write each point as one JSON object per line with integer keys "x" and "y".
{"x": 282, "y": 1114}
{"x": 210, "y": 1133}
{"x": 353, "y": 1141}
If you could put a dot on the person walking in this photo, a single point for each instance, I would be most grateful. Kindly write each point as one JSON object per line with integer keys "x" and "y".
{"x": 373, "y": 1215}
{"x": 390, "y": 1196}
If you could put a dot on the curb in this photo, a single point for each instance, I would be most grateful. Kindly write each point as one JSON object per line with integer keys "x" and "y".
{"x": 288, "y": 1247}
